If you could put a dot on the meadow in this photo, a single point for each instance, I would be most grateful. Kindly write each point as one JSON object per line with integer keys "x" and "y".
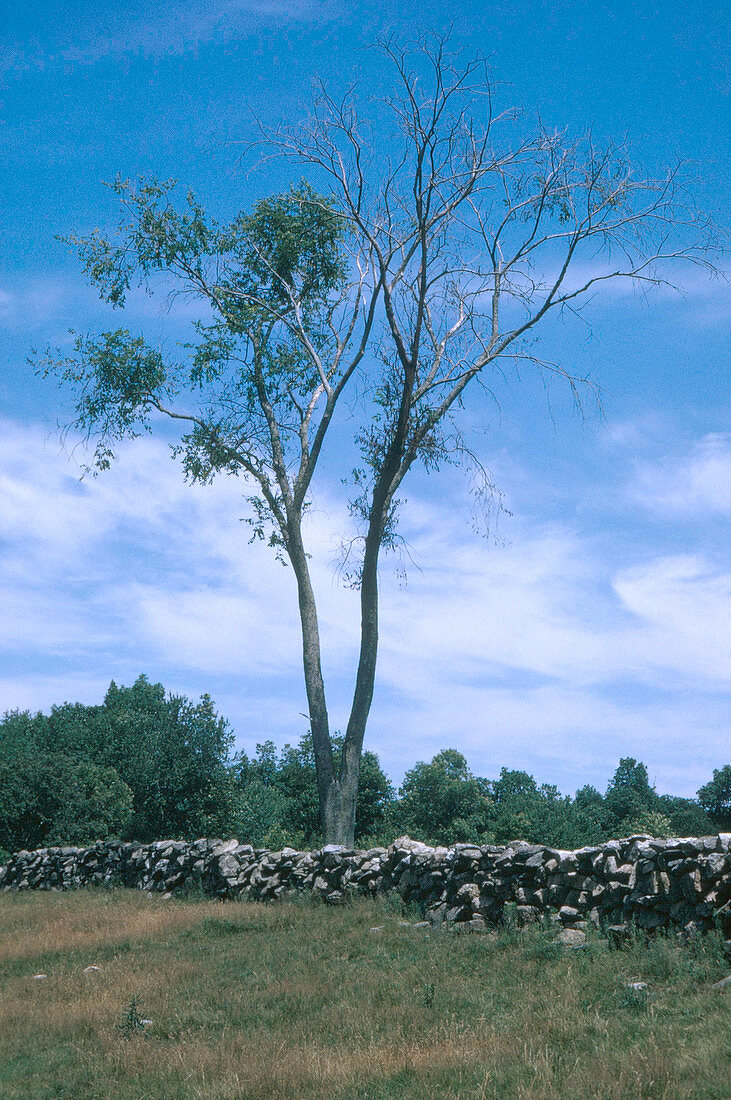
{"x": 297, "y": 999}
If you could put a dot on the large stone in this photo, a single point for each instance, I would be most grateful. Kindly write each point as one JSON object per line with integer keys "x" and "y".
{"x": 571, "y": 937}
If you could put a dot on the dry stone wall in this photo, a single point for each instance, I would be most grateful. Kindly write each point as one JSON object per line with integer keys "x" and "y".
{"x": 683, "y": 883}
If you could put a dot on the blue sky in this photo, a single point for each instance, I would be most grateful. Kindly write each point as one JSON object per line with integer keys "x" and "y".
{"x": 593, "y": 622}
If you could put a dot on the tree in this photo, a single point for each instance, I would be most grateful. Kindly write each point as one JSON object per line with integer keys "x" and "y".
{"x": 163, "y": 758}
{"x": 279, "y": 796}
{"x": 540, "y": 814}
{"x": 173, "y": 754}
{"x": 715, "y": 796}
{"x": 629, "y": 796}
{"x": 435, "y": 249}
{"x": 687, "y": 816}
{"x": 443, "y": 801}
{"x": 52, "y": 799}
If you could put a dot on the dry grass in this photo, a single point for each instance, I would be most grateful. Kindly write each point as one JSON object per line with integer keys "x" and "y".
{"x": 298, "y": 1000}
{"x": 30, "y": 930}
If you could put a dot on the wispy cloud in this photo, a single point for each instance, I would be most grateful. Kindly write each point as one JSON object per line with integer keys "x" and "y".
{"x": 544, "y": 650}
{"x": 698, "y": 481}
{"x": 177, "y": 28}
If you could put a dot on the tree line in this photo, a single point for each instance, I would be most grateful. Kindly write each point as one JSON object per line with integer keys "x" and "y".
{"x": 148, "y": 765}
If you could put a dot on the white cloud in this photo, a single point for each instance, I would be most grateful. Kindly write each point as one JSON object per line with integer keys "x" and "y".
{"x": 541, "y": 654}
{"x": 696, "y": 482}
{"x": 684, "y": 607}
{"x": 177, "y": 28}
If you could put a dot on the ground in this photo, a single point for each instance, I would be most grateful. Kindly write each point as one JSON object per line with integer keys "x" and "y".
{"x": 246, "y": 1000}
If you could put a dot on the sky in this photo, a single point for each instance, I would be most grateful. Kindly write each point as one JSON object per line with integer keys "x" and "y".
{"x": 591, "y": 622}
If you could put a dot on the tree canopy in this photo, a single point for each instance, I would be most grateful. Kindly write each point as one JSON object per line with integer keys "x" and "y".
{"x": 148, "y": 765}
{"x": 143, "y": 764}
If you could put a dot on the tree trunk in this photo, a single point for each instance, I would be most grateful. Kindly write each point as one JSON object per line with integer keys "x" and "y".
{"x": 338, "y": 793}
{"x": 327, "y": 785}
{"x": 339, "y": 809}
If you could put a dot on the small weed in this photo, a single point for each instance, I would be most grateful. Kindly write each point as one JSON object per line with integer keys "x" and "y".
{"x": 636, "y": 998}
{"x": 428, "y": 993}
{"x": 132, "y": 1022}
{"x": 509, "y": 919}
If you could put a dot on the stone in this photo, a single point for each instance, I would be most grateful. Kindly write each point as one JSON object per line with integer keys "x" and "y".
{"x": 684, "y": 883}
{"x": 724, "y": 986}
{"x": 223, "y": 847}
{"x": 619, "y": 934}
{"x": 571, "y": 937}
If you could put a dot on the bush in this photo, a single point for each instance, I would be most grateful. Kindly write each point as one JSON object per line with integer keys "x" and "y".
{"x": 57, "y": 799}
{"x": 143, "y": 764}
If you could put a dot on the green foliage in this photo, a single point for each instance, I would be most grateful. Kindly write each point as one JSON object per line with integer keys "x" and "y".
{"x": 52, "y": 799}
{"x": 257, "y": 813}
{"x": 173, "y": 754}
{"x": 540, "y": 814}
{"x": 142, "y": 765}
{"x": 443, "y": 801}
{"x": 277, "y": 795}
{"x": 648, "y": 821}
{"x": 715, "y": 796}
{"x": 629, "y": 795}
{"x": 687, "y": 816}
{"x": 282, "y": 262}
{"x": 291, "y": 240}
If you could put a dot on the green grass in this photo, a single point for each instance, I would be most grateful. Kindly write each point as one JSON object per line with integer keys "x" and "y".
{"x": 305, "y": 1001}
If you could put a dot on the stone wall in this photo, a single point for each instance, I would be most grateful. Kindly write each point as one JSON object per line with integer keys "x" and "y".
{"x": 682, "y": 883}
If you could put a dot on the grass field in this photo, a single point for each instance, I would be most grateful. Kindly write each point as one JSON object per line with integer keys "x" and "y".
{"x": 301, "y": 1000}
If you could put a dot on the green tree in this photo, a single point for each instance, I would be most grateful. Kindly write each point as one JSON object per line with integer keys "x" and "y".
{"x": 715, "y": 796}
{"x": 50, "y": 799}
{"x": 434, "y": 250}
{"x": 687, "y": 816}
{"x": 170, "y": 755}
{"x": 629, "y": 795}
{"x": 442, "y": 801}
{"x": 291, "y": 785}
{"x": 174, "y": 756}
{"x": 541, "y": 814}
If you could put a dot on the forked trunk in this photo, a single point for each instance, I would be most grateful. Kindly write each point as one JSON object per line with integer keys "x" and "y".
{"x": 338, "y": 793}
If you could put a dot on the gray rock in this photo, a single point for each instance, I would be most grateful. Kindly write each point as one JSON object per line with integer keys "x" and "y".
{"x": 571, "y": 937}
{"x": 681, "y": 882}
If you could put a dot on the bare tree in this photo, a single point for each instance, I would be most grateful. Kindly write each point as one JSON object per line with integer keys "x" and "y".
{"x": 417, "y": 273}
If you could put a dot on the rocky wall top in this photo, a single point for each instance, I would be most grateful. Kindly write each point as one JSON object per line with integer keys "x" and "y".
{"x": 681, "y": 882}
